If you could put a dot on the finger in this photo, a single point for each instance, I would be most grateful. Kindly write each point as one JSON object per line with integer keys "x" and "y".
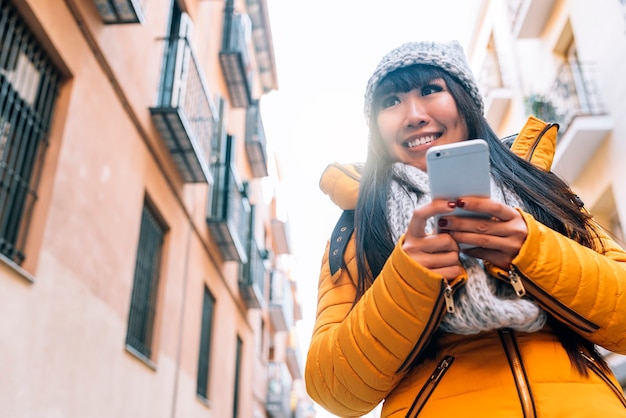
{"x": 417, "y": 224}
{"x": 431, "y": 244}
{"x": 447, "y": 261}
{"x": 460, "y": 228}
{"x": 450, "y": 273}
{"x": 485, "y": 205}
{"x": 497, "y": 258}
{"x": 489, "y": 233}
{"x": 506, "y": 244}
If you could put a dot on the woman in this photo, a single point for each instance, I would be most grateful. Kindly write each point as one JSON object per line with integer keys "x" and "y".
{"x": 507, "y": 328}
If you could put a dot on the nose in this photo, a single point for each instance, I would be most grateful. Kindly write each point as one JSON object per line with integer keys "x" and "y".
{"x": 416, "y": 115}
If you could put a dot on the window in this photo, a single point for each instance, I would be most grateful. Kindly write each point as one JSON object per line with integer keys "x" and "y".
{"x": 146, "y": 283}
{"x": 28, "y": 90}
{"x": 204, "y": 357}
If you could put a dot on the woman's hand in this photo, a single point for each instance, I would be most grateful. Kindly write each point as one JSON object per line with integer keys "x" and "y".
{"x": 497, "y": 240}
{"x": 437, "y": 252}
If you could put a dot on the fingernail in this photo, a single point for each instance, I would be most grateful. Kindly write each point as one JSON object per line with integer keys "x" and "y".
{"x": 442, "y": 222}
{"x": 451, "y": 205}
{"x": 460, "y": 203}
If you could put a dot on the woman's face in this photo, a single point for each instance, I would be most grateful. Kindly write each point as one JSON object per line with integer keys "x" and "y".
{"x": 410, "y": 123}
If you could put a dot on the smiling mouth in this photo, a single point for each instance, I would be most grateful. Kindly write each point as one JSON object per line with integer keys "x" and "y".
{"x": 420, "y": 141}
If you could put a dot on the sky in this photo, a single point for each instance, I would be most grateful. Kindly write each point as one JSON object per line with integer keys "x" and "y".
{"x": 325, "y": 52}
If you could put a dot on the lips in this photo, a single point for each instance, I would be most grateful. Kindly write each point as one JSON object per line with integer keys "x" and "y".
{"x": 422, "y": 140}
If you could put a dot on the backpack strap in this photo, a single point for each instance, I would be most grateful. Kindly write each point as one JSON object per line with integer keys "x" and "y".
{"x": 339, "y": 240}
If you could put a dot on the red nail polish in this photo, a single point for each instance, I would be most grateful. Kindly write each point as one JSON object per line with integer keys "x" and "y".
{"x": 442, "y": 222}
{"x": 451, "y": 205}
{"x": 460, "y": 203}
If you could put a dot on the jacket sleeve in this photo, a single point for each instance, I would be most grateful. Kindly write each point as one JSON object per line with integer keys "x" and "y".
{"x": 356, "y": 351}
{"x": 583, "y": 288}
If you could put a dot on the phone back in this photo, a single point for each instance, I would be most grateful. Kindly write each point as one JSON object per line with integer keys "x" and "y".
{"x": 459, "y": 169}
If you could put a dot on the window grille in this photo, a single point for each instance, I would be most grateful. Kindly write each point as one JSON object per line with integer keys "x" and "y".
{"x": 145, "y": 285}
{"x": 28, "y": 89}
{"x": 204, "y": 357}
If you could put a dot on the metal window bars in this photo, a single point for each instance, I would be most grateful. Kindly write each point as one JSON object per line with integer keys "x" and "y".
{"x": 28, "y": 89}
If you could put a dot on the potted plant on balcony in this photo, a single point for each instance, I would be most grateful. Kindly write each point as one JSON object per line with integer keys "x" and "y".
{"x": 540, "y": 106}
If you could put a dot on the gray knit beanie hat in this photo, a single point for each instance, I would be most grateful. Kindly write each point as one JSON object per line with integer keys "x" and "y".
{"x": 448, "y": 56}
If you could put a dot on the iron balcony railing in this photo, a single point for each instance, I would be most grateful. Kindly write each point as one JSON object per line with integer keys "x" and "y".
{"x": 281, "y": 307}
{"x": 228, "y": 215}
{"x": 252, "y": 277}
{"x": 120, "y": 11}
{"x": 185, "y": 115}
{"x": 572, "y": 94}
{"x": 234, "y": 58}
{"x": 278, "y": 404}
{"x": 255, "y": 141}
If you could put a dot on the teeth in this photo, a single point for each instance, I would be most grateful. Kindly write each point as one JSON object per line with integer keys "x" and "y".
{"x": 421, "y": 141}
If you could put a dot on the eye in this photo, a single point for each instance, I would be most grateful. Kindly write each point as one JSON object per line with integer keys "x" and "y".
{"x": 436, "y": 85}
{"x": 431, "y": 88}
{"x": 389, "y": 101}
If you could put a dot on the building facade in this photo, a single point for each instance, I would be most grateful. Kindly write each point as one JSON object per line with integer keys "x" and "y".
{"x": 145, "y": 266}
{"x": 563, "y": 61}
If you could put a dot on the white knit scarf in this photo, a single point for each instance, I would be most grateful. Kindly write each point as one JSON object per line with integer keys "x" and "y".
{"x": 484, "y": 303}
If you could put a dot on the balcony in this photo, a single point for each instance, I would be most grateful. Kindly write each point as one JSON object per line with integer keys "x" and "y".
{"x": 252, "y": 277}
{"x": 280, "y": 237}
{"x": 278, "y": 403}
{"x": 498, "y": 97}
{"x": 255, "y": 141}
{"x": 229, "y": 214}
{"x": 529, "y": 17}
{"x": 574, "y": 104}
{"x": 579, "y": 143}
{"x": 119, "y": 11}
{"x": 294, "y": 362}
{"x": 281, "y": 309}
{"x": 185, "y": 113}
{"x": 235, "y": 60}
{"x": 263, "y": 45}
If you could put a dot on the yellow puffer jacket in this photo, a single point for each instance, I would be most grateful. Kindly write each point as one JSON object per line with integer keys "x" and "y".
{"x": 359, "y": 354}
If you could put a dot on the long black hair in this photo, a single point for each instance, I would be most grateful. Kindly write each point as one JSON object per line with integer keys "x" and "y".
{"x": 545, "y": 196}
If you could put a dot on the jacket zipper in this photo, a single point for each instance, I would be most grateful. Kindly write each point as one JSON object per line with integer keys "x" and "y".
{"x": 519, "y": 374}
{"x": 445, "y": 299}
{"x": 521, "y": 284}
{"x": 598, "y": 370}
{"x": 429, "y": 387}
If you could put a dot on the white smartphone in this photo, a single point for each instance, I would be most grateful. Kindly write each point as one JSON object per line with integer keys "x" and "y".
{"x": 459, "y": 169}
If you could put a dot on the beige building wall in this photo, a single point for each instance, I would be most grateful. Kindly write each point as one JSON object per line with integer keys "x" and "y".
{"x": 65, "y": 308}
{"x": 525, "y": 45}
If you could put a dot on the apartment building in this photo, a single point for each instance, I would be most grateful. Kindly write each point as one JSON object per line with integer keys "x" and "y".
{"x": 563, "y": 61}
{"x": 145, "y": 266}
